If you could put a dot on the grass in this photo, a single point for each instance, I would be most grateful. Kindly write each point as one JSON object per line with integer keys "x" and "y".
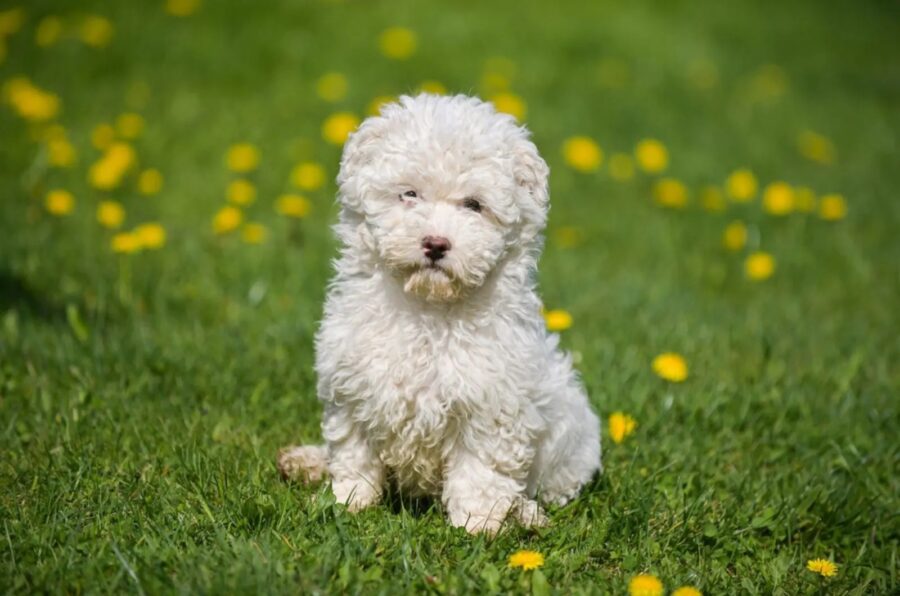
{"x": 143, "y": 397}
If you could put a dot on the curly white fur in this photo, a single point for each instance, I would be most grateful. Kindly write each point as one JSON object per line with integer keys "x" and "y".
{"x": 441, "y": 375}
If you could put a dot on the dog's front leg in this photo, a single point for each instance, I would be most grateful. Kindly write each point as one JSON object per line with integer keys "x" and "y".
{"x": 357, "y": 474}
{"x": 478, "y": 498}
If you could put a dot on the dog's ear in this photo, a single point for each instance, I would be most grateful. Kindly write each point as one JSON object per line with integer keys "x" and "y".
{"x": 359, "y": 151}
{"x": 532, "y": 174}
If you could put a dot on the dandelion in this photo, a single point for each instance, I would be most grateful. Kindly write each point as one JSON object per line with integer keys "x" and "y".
{"x": 254, "y": 233}
{"x": 687, "y": 591}
{"x": 241, "y": 192}
{"x": 778, "y": 198}
{"x": 620, "y": 426}
{"x": 374, "y": 107}
{"x": 338, "y": 127}
{"x": 509, "y": 103}
{"x": 129, "y": 125}
{"x": 558, "y": 320}
{"x": 671, "y": 367}
{"x": 397, "y": 43}
{"x": 652, "y": 156}
{"x": 291, "y": 205}
{"x": 107, "y": 172}
{"x": 125, "y": 242}
{"x": 832, "y": 207}
{"x": 48, "y": 32}
{"x": 31, "y": 102}
{"x": 332, "y": 86}
{"x": 734, "y": 237}
{"x": 670, "y": 192}
{"x": 59, "y": 202}
{"x": 182, "y": 8}
{"x": 645, "y": 585}
{"x": 433, "y": 87}
{"x": 110, "y": 214}
{"x": 149, "y": 182}
{"x": 526, "y": 560}
{"x": 712, "y": 199}
{"x": 227, "y": 219}
{"x": 741, "y": 186}
{"x": 242, "y": 157}
{"x": 583, "y": 154}
{"x": 759, "y": 266}
{"x": 804, "y": 199}
{"x": 308, "y": 176}
{"x": 151, "y": 235}
{"x": 96, "y": 31}
{"x": 102, "y": 136}
{"x": 815, "y": 147}
{"x": 61, "y": 153}
{"x": 823, "y": 567}
{"x": 621, "y": 167}
{"x": 11, "y": 21}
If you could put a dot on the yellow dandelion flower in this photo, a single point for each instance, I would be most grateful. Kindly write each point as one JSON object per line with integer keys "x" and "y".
{"x": 291, "y": 205}
{"x": 125, "y": 242}
{"x": 558, "y": 320}
{"x": 568, "y": 236}
{"x": 712, "y": 199}
{"x": 509, "y": 103}
{"x": 121, "y": 154}
{"x": 104, "y": 174}
{"x": 11, "y": 21}
{"x": 645, "y": 585}
{"x": 433, "y": 87}
{"x": 671, "y": 367}
{"x": 582, "y": 153}
{"x": 48, "y": 32}
{"x": 734, "y": 237}
{"x": 816, "y": 147}
{"x": 150, "y": 182}
{"x": 495, "y": 82}
{"x": 652, "y": 156}
{"x": 61, "y": 153}
{"x": 526, "y": 560}
{"x": 96, "y": 31}
{"x": 832, "y": 207}
{"x": 741, "y": 185}
{"x": 151, "y": 235}
{"x": 670, "y": 192}
{"x": 620, "y": 426}
{"x": 59, "y": 202}
{"x": 397, "y": 43}
{"x": 759, "y": 266}
{"x": 621, "y": 167}
{"x": 498, "y": 74}
{"x": 129, "y": 125}
{"x": 103, "y": 136}
{"x": 374, "y": 107}
{"x": 31, "y": 102}
{"x": 308, "y": 176}
{"x": 241, "y": 192}
{"x": 242, "y": 157}
{"x": 687, "y": 591}
{"x": 332, "y": 86}
{"x": 227, "y": 219}
{"x": 778, "y": 198}
{"x": 182, "y": 8}
{"x": 254, "y": 233}
{"x": 338, "y": 127}
{"x": 110, "y": 214}
{"x": 823, "y": 567}
{"x": 804, "y": 199}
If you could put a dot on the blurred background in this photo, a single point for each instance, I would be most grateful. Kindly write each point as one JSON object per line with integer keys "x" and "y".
{"x": 723, "y": 190}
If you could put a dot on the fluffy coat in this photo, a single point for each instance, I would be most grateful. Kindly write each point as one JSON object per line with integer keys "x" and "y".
{"x": 439, "y": 374}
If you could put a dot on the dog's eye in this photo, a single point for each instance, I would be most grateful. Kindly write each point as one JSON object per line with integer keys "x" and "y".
{"x": 411, "y": 194}
{"x": 472, "y": 204}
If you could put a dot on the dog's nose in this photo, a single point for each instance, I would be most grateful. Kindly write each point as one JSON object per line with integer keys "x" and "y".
{"x": 435, "y": 247}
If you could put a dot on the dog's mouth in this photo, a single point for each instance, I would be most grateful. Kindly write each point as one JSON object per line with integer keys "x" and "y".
{"x": 433, "y": 282}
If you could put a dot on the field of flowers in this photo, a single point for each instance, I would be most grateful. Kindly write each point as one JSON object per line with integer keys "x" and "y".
{"x": 721, "y": 260}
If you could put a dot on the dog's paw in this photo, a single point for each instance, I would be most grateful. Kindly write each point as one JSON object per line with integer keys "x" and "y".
{"x": 355, "y": 494}
{"x": 530, "y": 514}
{"x": 306, "y": 463}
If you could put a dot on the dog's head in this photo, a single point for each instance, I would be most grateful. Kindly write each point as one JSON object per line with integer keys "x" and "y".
{"x": 440, "y": 191}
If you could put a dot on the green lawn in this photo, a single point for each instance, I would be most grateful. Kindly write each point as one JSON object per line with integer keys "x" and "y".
{"x": 143, "y": 396}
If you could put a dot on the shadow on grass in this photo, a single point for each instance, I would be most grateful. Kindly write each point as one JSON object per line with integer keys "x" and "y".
{"x": 16, "y": 294}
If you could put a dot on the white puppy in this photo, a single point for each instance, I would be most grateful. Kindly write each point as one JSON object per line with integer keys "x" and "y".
{"x": 435, "y": 367}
